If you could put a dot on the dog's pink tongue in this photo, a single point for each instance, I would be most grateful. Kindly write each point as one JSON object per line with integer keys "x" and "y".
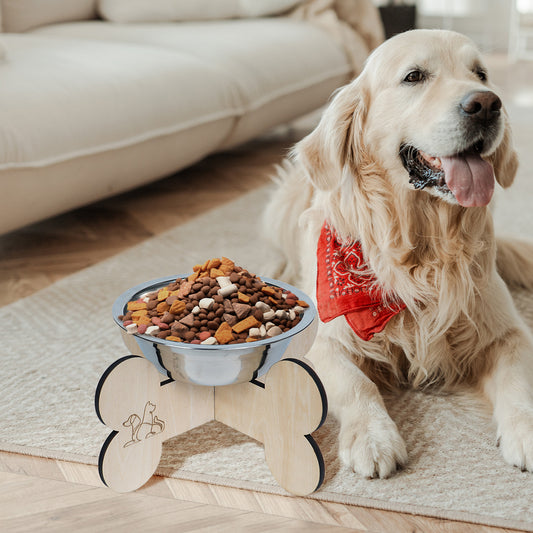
{"x": 470, "y": 178}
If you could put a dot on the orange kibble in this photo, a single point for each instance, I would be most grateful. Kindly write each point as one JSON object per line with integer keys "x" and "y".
{"x": 224, "y": 334}
{"x": 244, "y": 298}
{"x": 247, "y": 323}
{"x": 193, "y": 276}
{"x": 213, "y": 263}
{"x": 226, "y": 265}
{"x": 270, "y": 291}
{"x": 162, "y": 307}
{"x": 139, "y": 313}
{"x": 197, "y": 268}
{"x": 173, "y": 338}
{"x": 302, "y": 303}
{"x": 163, "y": 294}
{"x": 145, "y": 319}
{"x": 177, "y": 307}
{"x": 136, "y": 306}
{"x": 215, "y": 273}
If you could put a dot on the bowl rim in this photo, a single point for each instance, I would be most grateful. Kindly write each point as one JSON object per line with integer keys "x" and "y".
{"x": 119, "y": 308}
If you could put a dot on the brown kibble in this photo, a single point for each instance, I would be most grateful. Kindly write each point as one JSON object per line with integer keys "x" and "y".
{"x": 230, "y": 319}
{"x": 184, "y": 290}
{"x": 171, "y": 299}
{"x": 188, "y": 320}
{"x": 168, "y": 318}
{"x": 247, "y": 323}
{"x": 241, "y": 310}
{"x": 224, "y": 334}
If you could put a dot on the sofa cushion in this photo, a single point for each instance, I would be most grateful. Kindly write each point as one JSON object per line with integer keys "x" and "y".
{"x": 21, "y": 15}
{"x": 281, "y": 68}
{"x": 180, "y": 10}
{"x": 62, "y": 98}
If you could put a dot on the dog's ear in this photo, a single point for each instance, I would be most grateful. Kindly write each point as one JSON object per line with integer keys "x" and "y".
{"x": 505, "y": 159}
{"x": 337, "y": 140}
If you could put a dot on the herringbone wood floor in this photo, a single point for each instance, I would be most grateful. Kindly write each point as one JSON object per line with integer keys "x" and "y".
{"x": 49, "y": 495}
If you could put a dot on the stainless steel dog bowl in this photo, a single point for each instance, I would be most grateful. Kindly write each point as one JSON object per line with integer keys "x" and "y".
{"x": 215, "y": 365}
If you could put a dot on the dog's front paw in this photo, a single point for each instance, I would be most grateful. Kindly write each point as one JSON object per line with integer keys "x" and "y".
{"x": 372, "y": 448}
{"x": 515, "y": 437}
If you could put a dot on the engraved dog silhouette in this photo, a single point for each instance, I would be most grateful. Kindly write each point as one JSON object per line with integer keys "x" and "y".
{"x": 146, "y": 427}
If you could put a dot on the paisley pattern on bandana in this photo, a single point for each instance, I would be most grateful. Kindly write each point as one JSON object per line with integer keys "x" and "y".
{"x": 345, "y": 287}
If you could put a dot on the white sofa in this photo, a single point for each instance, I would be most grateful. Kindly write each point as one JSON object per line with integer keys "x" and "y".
{"x": 90, "y": 107}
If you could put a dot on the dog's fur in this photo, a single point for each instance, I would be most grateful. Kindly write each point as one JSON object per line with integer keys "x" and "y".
{"x": 460, "y": 326}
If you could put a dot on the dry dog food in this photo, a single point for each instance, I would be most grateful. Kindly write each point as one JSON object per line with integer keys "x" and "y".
{"x": 220, "y": 303}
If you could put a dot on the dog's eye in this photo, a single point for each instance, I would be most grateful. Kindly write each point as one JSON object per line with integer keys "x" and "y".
{"x": 481, "y": 74}
{"x": 415, "y": 76}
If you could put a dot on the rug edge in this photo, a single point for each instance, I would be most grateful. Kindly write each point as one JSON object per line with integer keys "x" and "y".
{"x": 430, "y": 512}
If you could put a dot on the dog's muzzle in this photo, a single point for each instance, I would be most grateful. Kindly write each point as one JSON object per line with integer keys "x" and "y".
{"x": 464, "y": 177}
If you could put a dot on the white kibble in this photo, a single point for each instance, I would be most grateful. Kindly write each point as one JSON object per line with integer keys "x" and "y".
{"x": 206, "y": 303}
{"x": 152, "y": 330}
{"x": 281, "y": 314}
{"x": 298, "y": 309}
{"x": 131, "y": 328}
{"x": 292, "y": 314}
{"x": 146, "y": 299}
{"x": 254, "y": 332}
{"x": 273, "y": 331}
{"x": 223, "y": 281}
{"x": 228, "y": 289}
{"x": 195, "y": 310}
{"x": 269, "y": 325}
{"x": 263, "y": 330}
{"x": 209, "y": 340}
{"x": 263, "y": 306}
{"x": 269, "y": 315}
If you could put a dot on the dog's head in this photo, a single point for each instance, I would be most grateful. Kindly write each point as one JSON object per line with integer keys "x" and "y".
{"x": 425, "y": 110}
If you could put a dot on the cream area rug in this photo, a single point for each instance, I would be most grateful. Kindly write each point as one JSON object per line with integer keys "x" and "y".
{"x": 58, "y": 342}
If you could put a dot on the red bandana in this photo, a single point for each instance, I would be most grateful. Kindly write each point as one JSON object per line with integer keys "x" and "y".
{"x": 343, "y": 287}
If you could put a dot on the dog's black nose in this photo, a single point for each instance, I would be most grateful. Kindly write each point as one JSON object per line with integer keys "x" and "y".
{"x": 481, "y": 105}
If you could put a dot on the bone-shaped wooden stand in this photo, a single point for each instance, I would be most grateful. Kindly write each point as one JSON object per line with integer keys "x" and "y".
{"x": 144, "y": 411}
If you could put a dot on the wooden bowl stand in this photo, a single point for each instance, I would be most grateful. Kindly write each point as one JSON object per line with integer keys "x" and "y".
{"x": 143, "y": 411}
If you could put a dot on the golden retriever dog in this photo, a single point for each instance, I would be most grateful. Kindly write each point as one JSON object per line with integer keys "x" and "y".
{"x": 388, "y": 201}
